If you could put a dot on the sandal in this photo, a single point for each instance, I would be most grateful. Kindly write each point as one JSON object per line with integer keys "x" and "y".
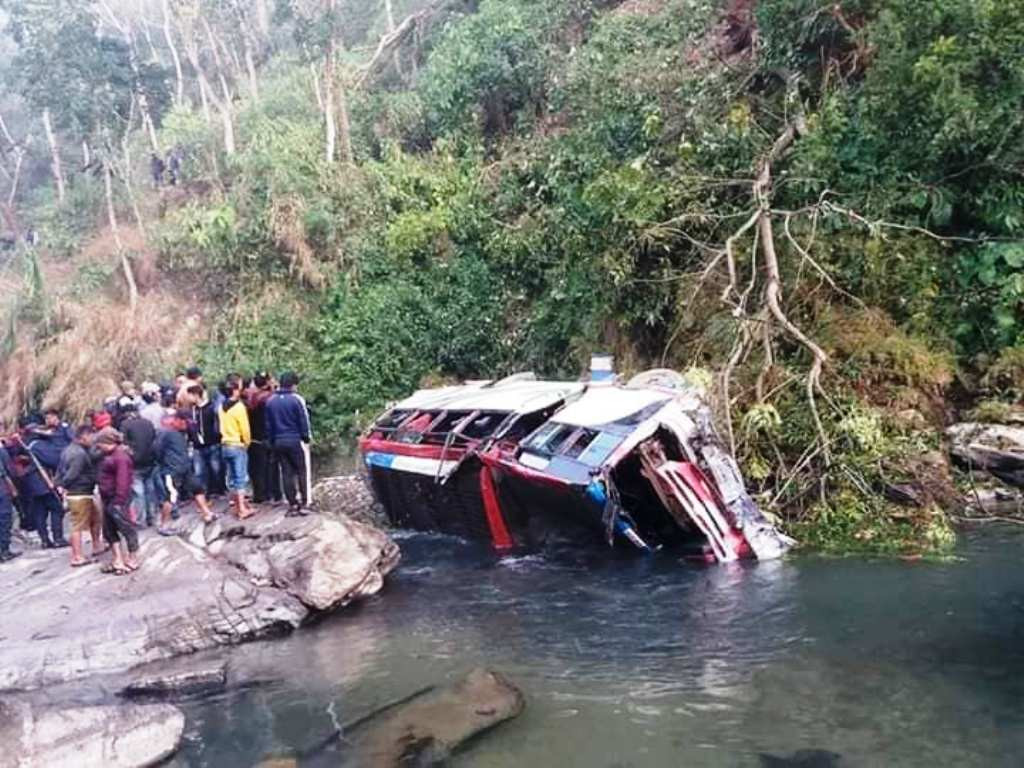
{"x": 80, "y": 563}
{"x": 113, "y": 570}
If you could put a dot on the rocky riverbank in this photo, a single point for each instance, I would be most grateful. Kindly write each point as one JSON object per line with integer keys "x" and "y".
{"x": 208, "y": 586}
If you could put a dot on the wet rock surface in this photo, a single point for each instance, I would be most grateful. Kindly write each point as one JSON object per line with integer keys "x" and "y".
{"x": 122, "y": 736}
{"x": 208, "y": 586}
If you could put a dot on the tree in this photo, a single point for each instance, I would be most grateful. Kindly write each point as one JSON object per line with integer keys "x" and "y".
{"x": 318, "y": 31}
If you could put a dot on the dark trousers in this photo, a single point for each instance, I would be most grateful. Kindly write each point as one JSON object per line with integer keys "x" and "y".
{"x": 6, "y": 521}
{"x": 117, "y": 526}
{"x": 291, "y": 455}
{"x": 48, "y": 508}
{"x": 265, "y": 473}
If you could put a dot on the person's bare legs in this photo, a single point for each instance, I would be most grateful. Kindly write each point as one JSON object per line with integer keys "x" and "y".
{"x": 204, "y": 508}
{"x": 242, "y": 509}
{"x": 117, "y": 563}
{"x": 77, "y": 558}
{"x": 96, "y": 537}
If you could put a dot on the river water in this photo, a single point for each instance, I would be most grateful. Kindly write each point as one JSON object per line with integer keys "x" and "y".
{"x": 632, "y": 661}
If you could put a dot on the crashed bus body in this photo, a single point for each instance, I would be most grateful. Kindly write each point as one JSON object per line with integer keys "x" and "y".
{"x": 523, "y": 463}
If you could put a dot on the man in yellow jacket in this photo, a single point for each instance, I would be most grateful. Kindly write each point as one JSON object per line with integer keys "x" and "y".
{"x": 235, "y": 437}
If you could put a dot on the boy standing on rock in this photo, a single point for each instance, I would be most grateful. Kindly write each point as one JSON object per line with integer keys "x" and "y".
{"x": 235, "y": 437}
{"x": 115, "y": 484}
{"x": 177, "y": 471}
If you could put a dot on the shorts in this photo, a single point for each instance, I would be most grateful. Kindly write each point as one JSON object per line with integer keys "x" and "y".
{"x": 182, "y": 484}
{"x": 236, "y": 467}
{"x": 84, "y": 513}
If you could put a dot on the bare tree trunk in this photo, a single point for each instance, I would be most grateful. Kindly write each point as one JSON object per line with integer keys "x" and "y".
{"x": 344, "y": 127}
{"x": 126, "y": 152}
{"x": 262, "y": 17}
{"x": 126, "y": 264}
{"x": 224, "y": 103}
{"x": 55, "y": 166}
{"x": 330, "y": 118}
{"x": 154, "y": 54}
{"x": 204, "y": 96}
{"x": 13, "y": 176}
{"x": 317, "y": 91}
{"x": 389, "y": 13}
{"x": 179, "y": 90}
{"x": 127, "y": 33}
{"x": 250, "y": 65}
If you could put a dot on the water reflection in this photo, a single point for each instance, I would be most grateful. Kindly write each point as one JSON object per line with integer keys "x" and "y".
{"x": 651, "y": 662}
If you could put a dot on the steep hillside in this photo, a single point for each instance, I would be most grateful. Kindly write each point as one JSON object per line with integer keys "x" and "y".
{"x": 816, "y": 207}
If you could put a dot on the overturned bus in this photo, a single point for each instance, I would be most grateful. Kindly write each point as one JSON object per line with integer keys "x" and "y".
{"x": 523, "y": 463}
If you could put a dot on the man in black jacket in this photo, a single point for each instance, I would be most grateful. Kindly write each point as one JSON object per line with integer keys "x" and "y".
{"x": 289, "y": 432}
{"x": 206, "y": 444}
{"x": 139, "y": 436}
{"x": 76, "y": 481}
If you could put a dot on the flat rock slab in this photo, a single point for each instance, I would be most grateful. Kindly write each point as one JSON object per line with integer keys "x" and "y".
{"x": 124, "y": 736}
{"x": 210, "y": 586}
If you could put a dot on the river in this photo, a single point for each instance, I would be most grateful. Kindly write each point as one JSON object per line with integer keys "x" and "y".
{"x": 634, "y": 661}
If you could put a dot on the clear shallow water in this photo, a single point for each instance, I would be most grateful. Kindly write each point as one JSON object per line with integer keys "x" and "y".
{"x": 654, "y": 662}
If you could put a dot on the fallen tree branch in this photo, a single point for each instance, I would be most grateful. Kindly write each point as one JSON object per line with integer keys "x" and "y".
{"x": 390, "y": 42}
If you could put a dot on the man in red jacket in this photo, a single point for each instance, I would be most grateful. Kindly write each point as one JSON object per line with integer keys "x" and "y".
{"x": 114, "y": 481}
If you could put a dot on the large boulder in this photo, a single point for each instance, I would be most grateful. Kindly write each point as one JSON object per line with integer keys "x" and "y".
{"x": 122, "y": 736}
{"x": 210, "y": 586}
{"x": 325, "y": 563}
{"x": 350, "y": 496}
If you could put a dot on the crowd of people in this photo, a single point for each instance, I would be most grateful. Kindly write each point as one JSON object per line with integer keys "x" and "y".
{"x": 135, "y": 460}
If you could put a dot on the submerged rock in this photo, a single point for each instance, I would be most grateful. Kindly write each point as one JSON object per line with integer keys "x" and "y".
{"x": 803, "y": 758}
{"x": 178, "y": 678}
{"x": 426, "y": 728}
{"x": 209, "y": 586}
{"x": 123, "y": 736}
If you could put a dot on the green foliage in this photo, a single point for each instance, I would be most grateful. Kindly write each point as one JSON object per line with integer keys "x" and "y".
{"x": 486, "y": 69}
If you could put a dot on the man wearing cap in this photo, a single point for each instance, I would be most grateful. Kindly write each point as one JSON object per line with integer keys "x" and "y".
{"x": 115, "y": 485}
